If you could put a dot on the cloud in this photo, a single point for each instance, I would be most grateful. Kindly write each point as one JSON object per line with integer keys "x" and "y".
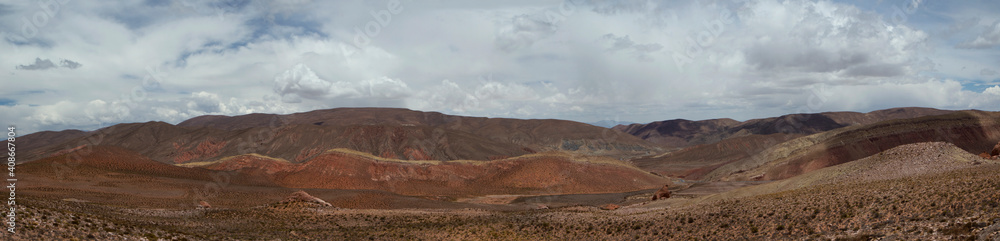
{"x": 995, "y": 90}
{"x": 642, "y": 52}
{"x": 387, "y": 88}
{"x": 301, "y": 82}
{"x": 579, "y": 60}
{"x": 39, "y": 64}
{"x": 989, "y": 38}
{"x": 960, "y": 26}
{"x": 831, "y": 38}
{"x": 69, "y": 64}
{"x": 44, "y": 64}
{"x": 523, "y": 30}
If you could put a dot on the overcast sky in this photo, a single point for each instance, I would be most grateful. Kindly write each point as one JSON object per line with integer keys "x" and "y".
{"x": 74, "y": 64}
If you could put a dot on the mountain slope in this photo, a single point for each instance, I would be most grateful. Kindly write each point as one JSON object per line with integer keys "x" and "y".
{"x": 546, "y": 173}
{"x": 683, "y": 133}
{"x": 392, "y": 133}
{"x": 972, "y": 131}
{"x": 909, "y": 160}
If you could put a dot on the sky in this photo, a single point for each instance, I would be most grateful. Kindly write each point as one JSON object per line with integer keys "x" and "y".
{"x": 75, "y": 64}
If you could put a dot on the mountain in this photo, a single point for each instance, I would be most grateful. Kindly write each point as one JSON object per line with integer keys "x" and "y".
{"x": 972, "y": 131}
{"x": 610, "y": 123}
{"x": 385, "y": 132}
{"x": 679, "y": 132}
{"x": 682, "y": 133}
{"x": 800, "y": 153}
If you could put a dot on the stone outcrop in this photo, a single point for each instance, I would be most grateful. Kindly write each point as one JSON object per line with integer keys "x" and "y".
{"x": 663, "y": 193}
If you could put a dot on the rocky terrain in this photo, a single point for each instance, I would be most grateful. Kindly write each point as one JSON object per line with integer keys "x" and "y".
{"x": 960, "y": 203}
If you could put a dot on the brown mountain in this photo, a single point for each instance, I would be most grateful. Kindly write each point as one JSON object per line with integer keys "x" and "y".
{"x": 683, "y": 133}
{"x": 390, "y": 133}
{"x": 971, "y": 131}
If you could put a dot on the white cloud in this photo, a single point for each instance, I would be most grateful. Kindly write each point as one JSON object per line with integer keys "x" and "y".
{"x": 995, "y": 90}
{"x": 300, "y": 81}
{"x": 138, "y": 61}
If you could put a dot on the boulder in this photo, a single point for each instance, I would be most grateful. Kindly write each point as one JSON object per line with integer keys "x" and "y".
{"x": 985, "y": 155}
{"x": 996, "y": 150}
{"x": 663, "y": 193}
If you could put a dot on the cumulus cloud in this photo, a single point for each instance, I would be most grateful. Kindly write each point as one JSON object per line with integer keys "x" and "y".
{"x": 995, "y": 90}
{"x": 832, "y": 38}
{"x": 301, "y": 82}
{"x": 385, "y": 87}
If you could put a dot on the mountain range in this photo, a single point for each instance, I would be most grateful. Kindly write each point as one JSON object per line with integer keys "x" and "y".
{"x": 238, "y": 169}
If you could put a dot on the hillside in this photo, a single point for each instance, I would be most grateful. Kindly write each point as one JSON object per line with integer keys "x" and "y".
{"x": 973, "y": 131}
{"x": 544, "y": 173}
{"x": 904, "y": 161}
{"x": 391, "y": 133}
{"x": 682, "y": 133}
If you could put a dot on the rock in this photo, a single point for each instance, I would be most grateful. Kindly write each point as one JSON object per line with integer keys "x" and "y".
{"x": 303, "y": 197}
{"x": 610, "y": 206}
{"x": 663, "y": 193}
{"x": 985, "y": 155}
{"x": 996, "y": 150}
{"x": 203, "y": 204}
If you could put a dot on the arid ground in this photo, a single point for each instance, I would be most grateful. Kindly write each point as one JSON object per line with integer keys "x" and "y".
{"x": 395, "y": 174}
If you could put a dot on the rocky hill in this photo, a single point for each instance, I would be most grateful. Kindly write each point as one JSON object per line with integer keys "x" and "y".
{"x": 682, "y": 133}
{"x": 389, "y": 133}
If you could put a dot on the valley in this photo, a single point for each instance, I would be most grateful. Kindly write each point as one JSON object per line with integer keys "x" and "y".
{"x": 908, "y": 173}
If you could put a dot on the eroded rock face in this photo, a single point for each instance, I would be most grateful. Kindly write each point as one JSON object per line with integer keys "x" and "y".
{"x": 303, "y": 197}
{"x": 663, "y": 193}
